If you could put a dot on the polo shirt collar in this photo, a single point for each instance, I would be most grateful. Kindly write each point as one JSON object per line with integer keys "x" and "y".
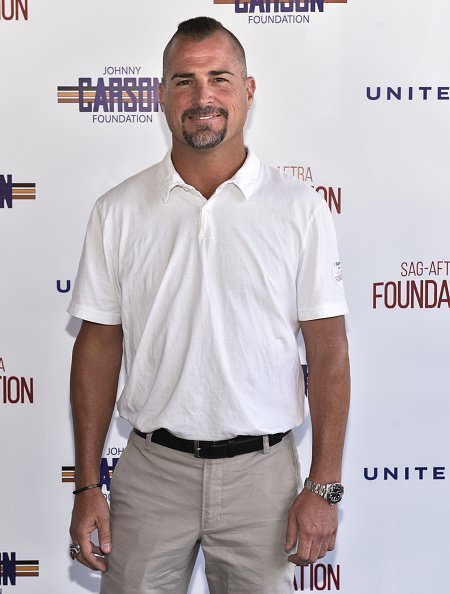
{"x": 245, "y": 178}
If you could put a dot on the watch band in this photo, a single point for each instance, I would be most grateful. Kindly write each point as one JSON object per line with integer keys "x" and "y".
{"x": 331, "y": 492}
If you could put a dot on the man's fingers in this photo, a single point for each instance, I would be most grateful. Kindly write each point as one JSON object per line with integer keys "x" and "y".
{"x": 332, "y": 541}
{"x": 94, "y": 562}
{"x": 323, "y": 549}
{"x": 91, "y": 556}
{"x": 302, "y": 556}
{"x": 291, "y": 533}
{"x": 311, "y": 549}
{"x": 104, "y": 536}
{"x": 315, "y": 551}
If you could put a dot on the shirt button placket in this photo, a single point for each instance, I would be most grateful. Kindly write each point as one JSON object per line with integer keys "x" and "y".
{"x": 204, "y": 229}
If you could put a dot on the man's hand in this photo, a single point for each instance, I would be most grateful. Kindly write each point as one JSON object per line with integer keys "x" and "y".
{"x": 312, "y": 524}
{"x": 91, "y": 512}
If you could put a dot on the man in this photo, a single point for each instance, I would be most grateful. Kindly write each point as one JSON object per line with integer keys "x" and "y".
{"x": 206, "y": 267}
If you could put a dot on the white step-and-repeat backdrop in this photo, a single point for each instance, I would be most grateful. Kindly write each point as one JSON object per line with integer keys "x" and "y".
{"x": 352, "y": 97}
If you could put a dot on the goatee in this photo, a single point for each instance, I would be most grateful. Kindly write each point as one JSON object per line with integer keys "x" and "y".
{"x": 204, "y": 137}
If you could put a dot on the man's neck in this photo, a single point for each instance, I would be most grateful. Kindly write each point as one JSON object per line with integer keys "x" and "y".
{"x": 205, "y": 170}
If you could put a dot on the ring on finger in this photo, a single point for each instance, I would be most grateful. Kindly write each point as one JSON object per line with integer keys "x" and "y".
{"x": 74, "y": 550}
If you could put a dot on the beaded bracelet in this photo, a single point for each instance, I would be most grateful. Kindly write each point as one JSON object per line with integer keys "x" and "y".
{"x": 94, "y": 486}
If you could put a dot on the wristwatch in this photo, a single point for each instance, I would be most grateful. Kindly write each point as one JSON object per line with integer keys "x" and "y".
{"x": 331, "y": 492}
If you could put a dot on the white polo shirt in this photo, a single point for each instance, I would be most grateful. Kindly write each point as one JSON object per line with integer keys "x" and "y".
{"x": 210, "y": 294}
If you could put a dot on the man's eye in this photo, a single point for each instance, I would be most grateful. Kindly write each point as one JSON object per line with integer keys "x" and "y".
{"x": 220, "y": 79}
{"x": 183, "y": 83}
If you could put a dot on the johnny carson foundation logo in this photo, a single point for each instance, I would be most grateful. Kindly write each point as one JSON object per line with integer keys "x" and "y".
{"x": 121, "y": 95}
{"x": 11, "y": 191}
{"x": 107, "y": 466}
{"x": 262, "y": 12}
{"x": 13, "y": 10}
{"x": 331, "y": 194}
{"x": 422, "y": 285}
{"x": 12, "y": 568}
{"x": 15, "y": 389}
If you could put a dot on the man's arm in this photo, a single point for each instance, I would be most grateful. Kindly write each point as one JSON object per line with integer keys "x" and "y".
{"x": 313, "y": 521}
{"x": 96, "y": 362}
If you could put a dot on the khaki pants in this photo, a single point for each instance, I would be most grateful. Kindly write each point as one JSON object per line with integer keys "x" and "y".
{"x": 165, "y": 504}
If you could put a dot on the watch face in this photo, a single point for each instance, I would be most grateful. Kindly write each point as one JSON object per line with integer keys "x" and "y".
{"x": 335, "y": 493}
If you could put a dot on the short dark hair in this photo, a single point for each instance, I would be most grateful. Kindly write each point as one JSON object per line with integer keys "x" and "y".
{"x": 200, "y": 28}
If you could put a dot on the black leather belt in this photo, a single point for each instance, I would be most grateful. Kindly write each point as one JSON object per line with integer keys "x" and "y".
{"x": 227, "y": 448}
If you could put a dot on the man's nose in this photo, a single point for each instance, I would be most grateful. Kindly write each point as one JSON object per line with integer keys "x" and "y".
{"x": 203, "y": 93}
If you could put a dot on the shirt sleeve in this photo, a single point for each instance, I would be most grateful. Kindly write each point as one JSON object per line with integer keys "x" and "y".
{"x": 320, "y": 286}
{"x": 96, "y": 291}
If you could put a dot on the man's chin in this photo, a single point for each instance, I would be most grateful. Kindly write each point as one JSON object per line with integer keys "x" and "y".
{"x": 204, "y": 139}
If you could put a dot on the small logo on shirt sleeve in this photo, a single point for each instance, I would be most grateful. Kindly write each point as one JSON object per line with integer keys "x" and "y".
{"x": 337, "y": 274}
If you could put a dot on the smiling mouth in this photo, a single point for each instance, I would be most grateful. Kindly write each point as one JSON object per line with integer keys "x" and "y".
{"x": 202, "y": 115}
{"x": 198, "y": 119}
{"x": 204, "y": 118}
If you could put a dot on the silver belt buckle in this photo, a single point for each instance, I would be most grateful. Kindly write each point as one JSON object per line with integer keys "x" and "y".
{"x": 196, "y": 449}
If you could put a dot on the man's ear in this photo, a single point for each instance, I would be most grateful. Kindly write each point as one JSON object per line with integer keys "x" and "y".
{"x": 161, "y": 91}
{"x": 250, "y": 86}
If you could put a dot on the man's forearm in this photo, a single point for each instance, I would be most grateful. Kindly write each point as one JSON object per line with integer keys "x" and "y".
{"x": 96, "y": 361}
{"x": 328, "y": 396}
